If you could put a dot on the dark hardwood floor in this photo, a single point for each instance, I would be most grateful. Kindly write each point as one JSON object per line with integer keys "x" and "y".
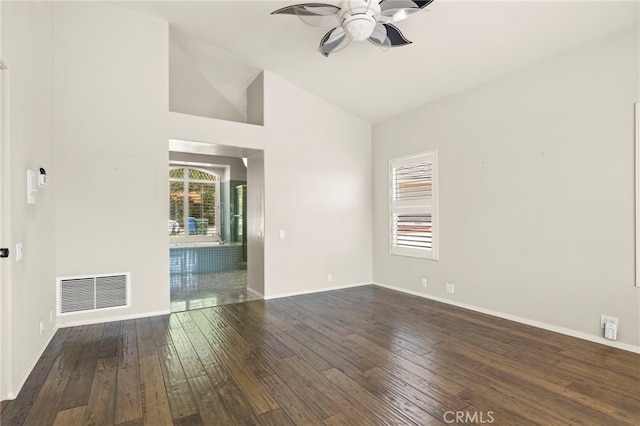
{"x": 360, "y": 356}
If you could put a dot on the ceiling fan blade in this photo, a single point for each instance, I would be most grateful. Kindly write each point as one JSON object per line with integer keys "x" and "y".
{"x": 397, "y": 10}
{"x": 310, "y": 7}
{"x": 391, "y": 36}
{"x": 379, "y": 37}
{"x": 395, "y": 4}
{"x": 334, "y": 41}
{"x": 319, "y": 15}
{"x": 423, "y": 3}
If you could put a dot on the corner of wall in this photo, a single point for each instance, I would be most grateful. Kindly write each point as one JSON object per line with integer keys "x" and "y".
{"x": 255, "y": 101}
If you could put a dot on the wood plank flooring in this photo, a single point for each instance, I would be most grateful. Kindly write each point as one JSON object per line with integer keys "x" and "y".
{"x": 361, "y": 356}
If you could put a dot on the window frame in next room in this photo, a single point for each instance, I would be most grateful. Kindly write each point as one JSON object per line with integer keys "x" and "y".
{"x": 412, "y": 203}
{"x": 186, "y": 180}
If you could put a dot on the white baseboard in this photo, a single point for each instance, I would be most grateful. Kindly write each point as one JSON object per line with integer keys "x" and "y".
{"x": 538, "y": 324}
{"x": 255, "y": 293}
{"x": 316, "y": 290}
{"x": 32, "y": 364}
{"x": 111, "y": 319}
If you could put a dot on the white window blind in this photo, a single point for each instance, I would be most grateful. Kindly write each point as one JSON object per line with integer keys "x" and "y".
{"x": 412, "y": 181}
{"x": 413, "y": 205}
{"x": 413, "y": 230}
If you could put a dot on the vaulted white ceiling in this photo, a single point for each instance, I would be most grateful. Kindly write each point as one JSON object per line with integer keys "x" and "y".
{"x": 456, "y": 45}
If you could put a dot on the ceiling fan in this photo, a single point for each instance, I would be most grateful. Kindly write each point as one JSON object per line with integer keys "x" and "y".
{"x": 357, "y": 20}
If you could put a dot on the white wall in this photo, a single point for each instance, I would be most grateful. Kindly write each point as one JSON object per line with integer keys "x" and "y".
{"x": 28, "y": 296}
{"x": 318, "y": 190}
{"x": 536, "y": 192}
{"x": 256, "y": 192}
{"x": 255, "y": 222}
{"x": 255, "y": 101}
{"x": 111, "y": 103}
{"x": 317, "y": 180}
{"x": 108, "y": 119}
{"x": 221, "y": 133}
{"x": 207, "y": 80}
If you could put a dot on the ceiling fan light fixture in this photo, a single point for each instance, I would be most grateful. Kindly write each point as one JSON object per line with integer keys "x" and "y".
{"x": 359, "y": 27}
{"x": 357, "y": 20}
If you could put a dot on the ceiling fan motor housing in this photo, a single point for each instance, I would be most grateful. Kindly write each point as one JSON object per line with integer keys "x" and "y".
{"x": 359, "y": 17}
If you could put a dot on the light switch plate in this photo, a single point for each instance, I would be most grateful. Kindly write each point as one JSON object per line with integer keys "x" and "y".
{"x": 32, "y": 186}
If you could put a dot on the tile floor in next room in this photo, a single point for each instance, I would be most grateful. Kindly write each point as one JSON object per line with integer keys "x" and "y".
{"x": 196, "y": 291}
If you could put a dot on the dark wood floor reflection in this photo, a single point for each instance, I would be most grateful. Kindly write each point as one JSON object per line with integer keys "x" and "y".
{"x": 196, "y": 291}
{"x": 360, "y": 356}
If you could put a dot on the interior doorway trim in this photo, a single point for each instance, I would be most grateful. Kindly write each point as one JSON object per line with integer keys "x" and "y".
{"x": 255, "y": 206}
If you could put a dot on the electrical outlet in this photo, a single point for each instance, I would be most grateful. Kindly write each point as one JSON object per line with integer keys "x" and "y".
{"x": 424, "y": 283}
{"x": 605, "y": 319}
{"x": 611, "y": 331}
{"x": 329, "y": 278}
{"x": 50, "y": 317}
{"x": 41, "y": 328}
{"x": 449, "y": 288}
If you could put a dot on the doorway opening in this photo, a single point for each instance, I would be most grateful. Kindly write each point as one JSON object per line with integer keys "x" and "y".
{"x": 209, "y": 215}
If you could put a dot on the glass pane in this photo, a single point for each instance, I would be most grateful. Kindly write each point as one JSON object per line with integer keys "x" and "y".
{"x": 412, "y": 181}
{"x": 200, "y": 175}
{"x": 413, "y": 231}
{"x": 202, "y": 209}
{"x": 239, "y": 216}
{"x": 176, "y": 173}
{"x": 176, "y": 208}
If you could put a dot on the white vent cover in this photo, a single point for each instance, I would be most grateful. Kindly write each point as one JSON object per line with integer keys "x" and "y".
{"x": 92, "y": 293}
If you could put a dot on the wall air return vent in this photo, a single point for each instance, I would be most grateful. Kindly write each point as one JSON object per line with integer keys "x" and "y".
{"x": 93, "y": 293}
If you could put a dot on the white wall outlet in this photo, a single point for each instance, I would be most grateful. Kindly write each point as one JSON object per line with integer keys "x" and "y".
{"x": 449, "y": 288}
{"x": 282, "y": 234}
{"x": 611, "y": 331}
{"x": 41, "y": 328}
{"x": 19, "y": 252}
{"x": 605, "y": 319}
{"x": 50, "y": 317}
{"x": 424, "y": 283}
{"x": 329, "y": 278}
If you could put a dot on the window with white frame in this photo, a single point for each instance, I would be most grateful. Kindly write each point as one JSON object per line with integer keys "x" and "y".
{"x": 413, "y": 205}
{"x": 193, "y": 204}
